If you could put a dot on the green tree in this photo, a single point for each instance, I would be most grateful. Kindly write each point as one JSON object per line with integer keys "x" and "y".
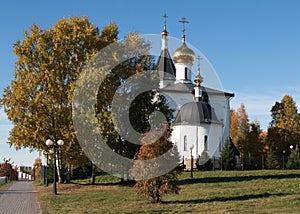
{"x": 272, "y": 160}
{"x": 253, "y": 147}
{"x": 38, "y": 100}
{"x": 118, "y": 87}
{"x": 294, "y": 159}
{"x": 227, "y": 156}
{"x": 155, "y": 187}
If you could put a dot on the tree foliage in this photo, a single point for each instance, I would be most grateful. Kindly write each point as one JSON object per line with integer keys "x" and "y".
{"x": 36, "y": 168}
{"x": 227, "y": 156}
{"x": 234, "y": 126}
{"x": 7, "y": 170}
{"x": 118, "y": 88}
{"x": 38, "y": 100}
{"x": 294, "y": 159}
{"x": 154, "y": 188}
{"x": 272, "y": 160}
{"x": 243, "y": 130}
{"x": 284, "y": 128}
{"x": 247, "y": 137}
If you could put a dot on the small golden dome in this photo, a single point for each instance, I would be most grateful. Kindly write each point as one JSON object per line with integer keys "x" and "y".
{"x": 183, "y": 54}
{"x": 198, "y": 80}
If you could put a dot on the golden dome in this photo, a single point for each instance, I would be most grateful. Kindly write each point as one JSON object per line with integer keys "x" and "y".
{"x": 183, "y": 54}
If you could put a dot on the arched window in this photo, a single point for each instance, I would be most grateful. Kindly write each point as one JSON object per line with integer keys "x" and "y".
{"x": 185, "y": 73}
{"x": 205, "y": 143}
{"x": 184, "y": 143}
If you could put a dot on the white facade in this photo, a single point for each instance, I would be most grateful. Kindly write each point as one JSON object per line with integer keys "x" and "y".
{"x": 204, "y": 137}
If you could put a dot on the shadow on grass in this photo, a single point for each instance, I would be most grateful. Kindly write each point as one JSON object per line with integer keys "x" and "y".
{"x": 125, "y": 183}
{"x": 234, "y": 179}
{"x": 224, "y": 199}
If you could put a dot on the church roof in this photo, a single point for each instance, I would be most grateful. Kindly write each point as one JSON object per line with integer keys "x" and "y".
{"x": 179, "y": 88}
{"x": 189, "y": 88}
{"x": 196, "y": 113}
{"x": 165, "y": 65}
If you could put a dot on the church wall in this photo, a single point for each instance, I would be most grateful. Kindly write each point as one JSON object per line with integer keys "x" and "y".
{"x": 221, "y": 105}
{"x": 208, "y": 135}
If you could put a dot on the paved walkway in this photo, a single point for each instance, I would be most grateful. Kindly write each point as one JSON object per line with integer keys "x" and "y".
{"x": 19, "y": 198}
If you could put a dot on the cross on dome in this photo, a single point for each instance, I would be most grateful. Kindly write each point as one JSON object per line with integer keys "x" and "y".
{"x": 165, "y": 32}
{"x": 183, "y": 21}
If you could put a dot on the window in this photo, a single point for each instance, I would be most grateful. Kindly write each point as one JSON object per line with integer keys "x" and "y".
{"x": 185, "y": 73}
{"x": 205, "y": 143}
{"x": 184, "y": 143}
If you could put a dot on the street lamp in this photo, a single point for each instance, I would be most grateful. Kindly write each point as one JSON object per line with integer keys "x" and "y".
{"x": 191, "y": 148}
{"x": 50, "y": 143}
{"x": 291, "y": 147}
{"x": 45, "y": 152}
{"x": 283, "y": 152}
{"x": 6, "y": 160}
{"x": 34, "y": 168}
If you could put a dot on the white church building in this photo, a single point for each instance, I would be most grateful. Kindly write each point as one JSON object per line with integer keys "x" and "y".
{"x": 202, "y": 121}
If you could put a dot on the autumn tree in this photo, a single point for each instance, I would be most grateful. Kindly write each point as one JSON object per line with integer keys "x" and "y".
{"x": 38, "y": 100}
{"x": 155, "y": 187}
{"x": 239, "y": 127}
{"x": 7, "y": 170}
{"x": 284, "y": 128}
{"x": 36, "y": 168}
{"x": 234, "y": 126}
{"x": 243, "y": 129}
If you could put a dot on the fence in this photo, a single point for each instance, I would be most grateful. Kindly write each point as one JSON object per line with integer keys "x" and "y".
{"x": 3, "y": 180}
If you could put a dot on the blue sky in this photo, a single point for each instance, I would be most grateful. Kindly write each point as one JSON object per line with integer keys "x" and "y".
{"x": 254, "y": 45}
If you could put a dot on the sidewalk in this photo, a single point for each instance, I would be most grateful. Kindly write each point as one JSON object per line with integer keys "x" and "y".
{"x": 19, "y": 198}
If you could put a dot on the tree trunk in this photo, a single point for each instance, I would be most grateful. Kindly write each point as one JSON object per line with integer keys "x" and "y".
{"x": 93, "y": 178}
{"x": 68, "y": 179}
{"x": 58, "y": 169}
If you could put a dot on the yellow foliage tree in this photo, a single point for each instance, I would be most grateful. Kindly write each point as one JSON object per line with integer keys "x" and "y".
{"x": 38, "y": 100}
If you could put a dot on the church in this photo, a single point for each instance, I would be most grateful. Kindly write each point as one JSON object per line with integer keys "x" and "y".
{"x": 202, "y": 118}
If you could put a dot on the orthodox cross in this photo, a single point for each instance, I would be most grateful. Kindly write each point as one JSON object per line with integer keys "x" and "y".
{"x": 199, "y": 58}
{"x": 165, "y": 17}
{"x": 183, "y": 21}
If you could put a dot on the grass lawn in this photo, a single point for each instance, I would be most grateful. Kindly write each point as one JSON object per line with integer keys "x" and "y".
{"x": 208, "y": 192}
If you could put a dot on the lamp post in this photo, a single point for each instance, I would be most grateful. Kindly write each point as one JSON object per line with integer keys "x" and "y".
{"x": 50, "y": 143}
{"x": 34, "y": 172}
{"x": 191, "y": 148}
{"x": 283, "y": 152}
{"x": 46, "y": 167}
